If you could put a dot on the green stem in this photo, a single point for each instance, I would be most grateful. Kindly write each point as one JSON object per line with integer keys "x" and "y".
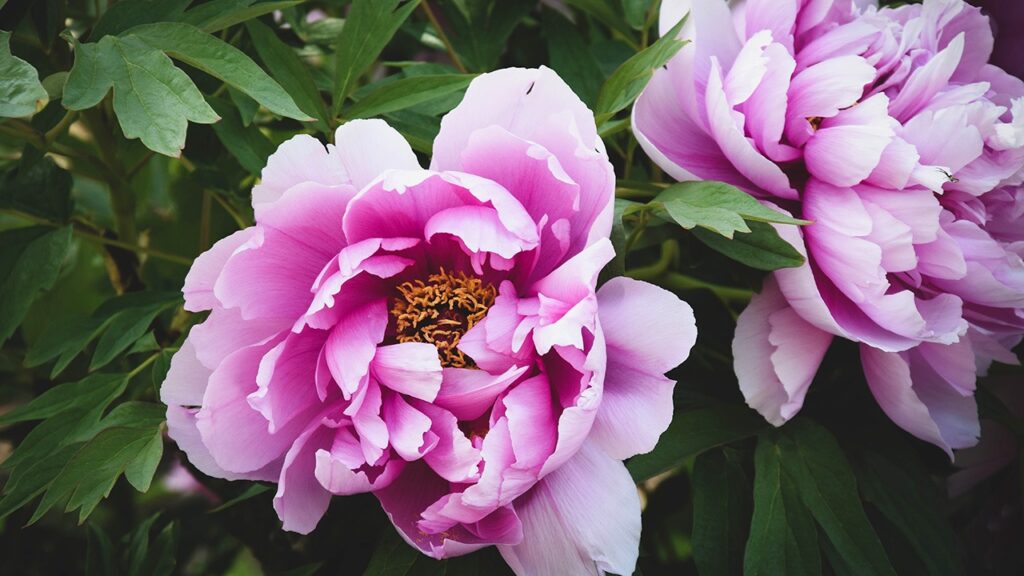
{"x": 122, "y": 197}
{"x": 677, "y": 281}
{"x": 443, "y": 37}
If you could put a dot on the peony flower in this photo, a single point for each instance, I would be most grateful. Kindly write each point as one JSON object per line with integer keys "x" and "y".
{"x": 436, "y": 337}
{"x": 890, "y": 132}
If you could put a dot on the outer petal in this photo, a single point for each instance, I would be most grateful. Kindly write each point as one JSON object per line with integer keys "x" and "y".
{"x": 776, "y": 354}
{"x": 186, "y": 380}
{"x": 584, "y": 518}
{"x": 300, "y": 159}
{"x": 301, "y": 501}
{"x": 919, "y": 401}
{"x": 366, "y": 148}
{"x": 181, "y": 427}
{"x": 648, "y": 331}
{"x": 203, "y": 274}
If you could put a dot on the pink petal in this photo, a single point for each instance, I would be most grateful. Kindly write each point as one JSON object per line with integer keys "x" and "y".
{"x": 181, "y": 427}
{"x": 469, "y": 393}
{"x": 298, "y": 160}
{"x": 454, "y": 458}
{"x": 353, "y": 344}
{"x": 926, "y": 81}
{"x": 411, "y": 368}
{"x": 407, "y": 427}
{"x": 822, "y": 90}
{"x": 776, "y": 355}
{"x": 206, "y": 268}
{"x": 338, "y": 474}
{"x": 848, "y": 147}
{"x": 531, "y": 421}
{"x": 283, "y": 379}
{"x": 186, "y": 379}
{"x": 301, "y": 501}
{"x": 583, "y": 518}
{"x": 366, "y": 148}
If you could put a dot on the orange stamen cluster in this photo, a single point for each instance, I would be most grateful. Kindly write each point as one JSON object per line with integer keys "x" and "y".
{"x": 440, "y": 310}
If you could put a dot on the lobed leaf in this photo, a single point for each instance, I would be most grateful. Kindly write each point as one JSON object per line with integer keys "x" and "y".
{"x": 21, "y": 93}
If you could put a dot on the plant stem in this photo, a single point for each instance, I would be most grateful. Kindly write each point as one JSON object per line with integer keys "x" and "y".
{"x": 122, "y": 197}
{"x": 444, "y": 37}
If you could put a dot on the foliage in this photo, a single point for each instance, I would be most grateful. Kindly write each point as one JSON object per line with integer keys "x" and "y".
{"x": 131, "y": 134}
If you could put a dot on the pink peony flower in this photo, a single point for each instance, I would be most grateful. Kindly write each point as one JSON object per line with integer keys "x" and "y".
{"x": 888, "y": 129}
{"x": 436, "y": 336}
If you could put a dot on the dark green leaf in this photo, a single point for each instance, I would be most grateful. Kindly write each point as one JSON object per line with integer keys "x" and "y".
{"x": 630, "y": 79}
{"x": 92, "y": 390}
{"x": 128, "y": 13}
{"x": 636, "y": 12}
{"x": 38, "y": 187}
{"x": 716, "y": 206}
{"x": 34, "y": 479}
{"x": 250, "y": 492}
{"x": 908, "y": 498}
{"x": 21, "y": 93}
{"x": 125, "y": 327}
{"x": 569, "y": 55}
{"x": 606, "y": 12}
{"x": 480, "y": 29}
{"x": 368, "y": 28}
{"x": 393, "y": 557}
{"x": 811, "y": 456}
{"x": 617, "y": 267}
{"x": 691, "y": 433}
{"x": 761, "y": 248}
{"x": 247, "y": 107}
{"x": 140, "y": 471}
{"x": 247, "y": 144}
{"x": 783, "y": 538}
{"x": 289, "y": 70}
{"x": 154, "y": 100}
{"x": 407, "y": 92}
{"x": 30, "y": 259}
{"x": 99, "y": 553}
{"x": 721, "y": 514}
{"x": 217, "y": 15}
{"x": 221, "y": 60}
{"x": 419, "y": 129}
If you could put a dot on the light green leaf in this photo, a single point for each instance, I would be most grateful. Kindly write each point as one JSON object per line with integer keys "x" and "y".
{"x": 716, "y": 206}
{"x": 368, "y": 29}
{"x": 406, "y": 92}
{"x": 21, "y": 93}
{"x": 722, "y": 510}
{"x": 30, "y": 259}
{"x": 825, "y": 482}
{"x": 290, "y": 71}
{"x": 630, "y": 79}
{"x": 221, "y": 60}
{"x": 761, "y": 248}
{"x": 691, "y": 433}
{"x": 783, "y": 538}
{"x": 153, "y": 100}
{"x": 636, "y": 12}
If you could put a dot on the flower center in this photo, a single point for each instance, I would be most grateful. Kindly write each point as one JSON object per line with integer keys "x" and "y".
{"x": 440, "y": 310}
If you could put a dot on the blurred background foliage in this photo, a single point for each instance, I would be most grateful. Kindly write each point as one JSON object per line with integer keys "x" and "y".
{"x": 104, "y": 204}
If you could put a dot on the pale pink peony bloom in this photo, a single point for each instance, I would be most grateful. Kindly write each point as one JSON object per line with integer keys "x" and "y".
{"x": 437, "y": 337}
{"x": 888, "y": 129}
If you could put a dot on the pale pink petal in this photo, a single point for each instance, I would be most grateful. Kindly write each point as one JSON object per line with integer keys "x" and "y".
{"x": 301, "y": 501}
{"x": 366, "y": 148}
{"x": 411, "y": 368}
{"x": 186, "y": 379}
{"x": 181, "y": 427}
{"x": 469, "y": 392}
{"x": 300, "y": 159}
{"x": 206, "y": 268}
{"x": 583, "y": 518}
{"x": 407, "y": 427}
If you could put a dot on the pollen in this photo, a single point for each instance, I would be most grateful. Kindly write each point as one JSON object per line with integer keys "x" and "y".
{"x": 440, "y": 310}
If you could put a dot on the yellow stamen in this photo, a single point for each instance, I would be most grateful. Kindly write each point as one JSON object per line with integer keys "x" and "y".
{"x": 440, "y": 310}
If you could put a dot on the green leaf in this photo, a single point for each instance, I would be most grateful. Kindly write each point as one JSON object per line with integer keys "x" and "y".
{"x": 419, "y": 129}
{"x": 606, "y": 12}
{"x": 368, "y": 29}
{"x": 125, "y": 328}
{"x": 247, "y": 107}
{"x": 21, "y": 93}
{"x": 716, "y": 206}
{"x": 34, "y": 479}
{"x": 636, "y": 12}
{"x": 693, "y": 432}
{"x": 247, "y": 144}
{"x": 825, "y": 482}
{"x": 128, "y": 13}
{"x": 99, "y": 552}
{"x": 907, "y": 497}
{"x": 251, "y": 492}
{"x": 30, "y": 260}
{"x": 153, "y": 100}
{"x": 94, "y": 389}
{"x": 39, "y": 187}
{"x": 406, "y": 92}
{"x": 222, "y": 61}
{"x": 617, "y": 267}
{"x": 480, "y": 29}
{"x": 89, "y": 475}
{"x": 783, "y": 538}
{"x": 140, "y": 471}
{"x": 721, "y": 513}
{"x": 630, "y": 79}
{"x": 761, "y": 248}
{"x": 217, "y": 15}
{"x": 392, "y": 557}
{"x": 569, "y": 55}
{"x": 290, "y": 71}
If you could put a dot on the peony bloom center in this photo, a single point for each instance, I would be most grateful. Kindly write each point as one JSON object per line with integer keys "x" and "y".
{"x": 440, "y": 310}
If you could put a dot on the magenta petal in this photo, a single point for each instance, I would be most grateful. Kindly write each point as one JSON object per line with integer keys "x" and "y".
{"x": 285, "y": 372}
{"x": 341, "y": 470}
{"x": 531, "y": 421}
{"x": 407, "y": 427}
{"x": 776, "y": 355}
{"x": 453, "y": 458}
{"x": 469, "y": 392}
{"x": 353, "y": 344}
{"x": 583, "y": 518}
